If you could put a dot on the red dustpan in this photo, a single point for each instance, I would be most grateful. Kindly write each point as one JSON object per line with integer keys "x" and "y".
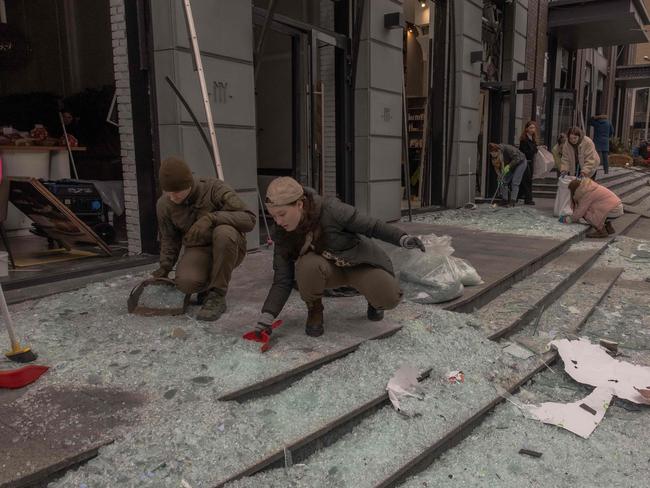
{"x": 263, "y": 337}
{"x": 17, "y": 378}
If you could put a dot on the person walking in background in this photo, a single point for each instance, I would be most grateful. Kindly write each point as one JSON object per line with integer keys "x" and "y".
{"x": 579, "y": 155}
{"x": 528, "y": 146}
{"x": 603, "y": 131}
{"x": 597, "y": 204}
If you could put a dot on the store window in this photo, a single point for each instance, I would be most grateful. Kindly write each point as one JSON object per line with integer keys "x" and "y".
{"x": 59, "y": 127}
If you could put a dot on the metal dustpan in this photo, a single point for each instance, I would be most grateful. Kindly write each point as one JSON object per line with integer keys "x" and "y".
{"x": 134, "y": 306}
{"x": 19, "y": 377}
{"x": 263, "y": 337}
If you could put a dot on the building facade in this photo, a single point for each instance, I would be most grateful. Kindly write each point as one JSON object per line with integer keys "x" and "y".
{"x": 335, "y": 93}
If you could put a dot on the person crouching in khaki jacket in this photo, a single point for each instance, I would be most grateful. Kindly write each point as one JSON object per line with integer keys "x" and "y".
{"x": 325, "y": 243}
{"x": 208, "y": 219}
{"x": 579, "y": 155}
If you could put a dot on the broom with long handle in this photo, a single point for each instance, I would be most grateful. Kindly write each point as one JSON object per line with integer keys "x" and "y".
{"x": 18, "y": 354}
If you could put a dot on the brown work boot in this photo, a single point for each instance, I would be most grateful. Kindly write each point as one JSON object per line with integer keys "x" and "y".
{"x": 609, "y": 227}
{"x": 314, "y": 325}
{"x": 597, "y": 233}
{"x": 213, "y": 307}
{"x": 374, "y": 314}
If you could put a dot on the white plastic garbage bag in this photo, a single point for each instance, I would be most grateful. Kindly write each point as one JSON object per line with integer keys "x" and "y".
{"x": 468, "y": 274}
{"x": 543, "y": 162}
{"x": 563, "y": 197}
{"x": 432, "y": 277}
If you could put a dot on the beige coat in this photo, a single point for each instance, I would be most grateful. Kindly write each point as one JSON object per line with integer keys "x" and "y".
{"x": 587, "y": 157}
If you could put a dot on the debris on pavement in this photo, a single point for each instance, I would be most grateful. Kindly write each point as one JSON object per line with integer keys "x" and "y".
{"x": 611, "y": 346}
{"x": 580, "y": 417}
{"x": 157, "y": 296}
{"x": 518, "y": 351}
{"x": 531, "y": 453}
{"x": 178, "y": 333}
{"x": 455, "y": 377}
{"x": 403, "y": 384}
{"x": 590, "y": 364}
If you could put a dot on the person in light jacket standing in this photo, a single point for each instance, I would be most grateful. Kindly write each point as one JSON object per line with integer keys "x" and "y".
{"x": 579, "y": 155}
{"x": 603, "y": 131}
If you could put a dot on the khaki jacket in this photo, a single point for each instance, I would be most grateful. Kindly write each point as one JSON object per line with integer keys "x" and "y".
{"x": 210, "y": 197}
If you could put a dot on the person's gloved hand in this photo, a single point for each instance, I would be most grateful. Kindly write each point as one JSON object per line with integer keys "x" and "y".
{"x": 565, "y": 219}
{"x": 160, "y": 273}
{"x": 412, "y": 242}
{"x": 506, "y": 169}
{"x": 264, "y": 323}
{"x": 200, "y": 234}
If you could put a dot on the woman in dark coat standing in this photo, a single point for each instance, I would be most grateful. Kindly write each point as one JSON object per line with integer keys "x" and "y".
{"x": 528, "y": 146}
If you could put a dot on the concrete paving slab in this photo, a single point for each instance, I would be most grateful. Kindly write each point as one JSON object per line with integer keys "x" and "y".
{"x": 641, "y": 228}
{"x": 45, "y": 430}
{"x": 346, "y": 326}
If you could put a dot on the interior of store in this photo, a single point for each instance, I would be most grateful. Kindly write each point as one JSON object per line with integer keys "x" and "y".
{"x": 417, "y": 45}
{"x": 59, "y": 123}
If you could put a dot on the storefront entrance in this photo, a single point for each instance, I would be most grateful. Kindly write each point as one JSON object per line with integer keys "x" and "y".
{"x": 60, "y": 126}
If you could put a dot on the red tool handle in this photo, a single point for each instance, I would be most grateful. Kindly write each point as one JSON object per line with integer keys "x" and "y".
{"x": 263, "y": 336}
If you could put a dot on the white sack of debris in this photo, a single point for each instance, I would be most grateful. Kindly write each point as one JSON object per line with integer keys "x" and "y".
{"x": 436, "y": 276}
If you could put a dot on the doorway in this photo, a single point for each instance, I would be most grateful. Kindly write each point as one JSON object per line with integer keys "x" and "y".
{"x": 303, "y": 97}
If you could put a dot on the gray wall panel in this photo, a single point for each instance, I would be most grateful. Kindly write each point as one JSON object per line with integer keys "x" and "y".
{"x": 385, "y": 200}
{"x": 385, "y": 114}
{"x": 361, "y": 158}
{"x": 217, "y": 28}
{"x": 232, "y": 101}
{"x": 361, "y": 197}
{"x": 385, "y": 158}
{"x": 383, "y": 60}
{"x": 167, "y": 102}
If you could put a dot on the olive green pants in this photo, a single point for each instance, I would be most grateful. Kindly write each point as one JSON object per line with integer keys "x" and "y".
{"x": 210, "y": 267}
{"x": 314, "y": 274}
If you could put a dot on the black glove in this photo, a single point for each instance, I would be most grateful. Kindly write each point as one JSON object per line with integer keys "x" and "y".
{"x": 265, "y": 323}
{"x": 160, "y": 273}
{"x": 412, "y": 242}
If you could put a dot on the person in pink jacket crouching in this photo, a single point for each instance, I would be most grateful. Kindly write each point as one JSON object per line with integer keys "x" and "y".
{"x": 596, "y": 204}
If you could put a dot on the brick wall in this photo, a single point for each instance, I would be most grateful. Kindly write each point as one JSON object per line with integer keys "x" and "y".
{"x": 122, "y": 84}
